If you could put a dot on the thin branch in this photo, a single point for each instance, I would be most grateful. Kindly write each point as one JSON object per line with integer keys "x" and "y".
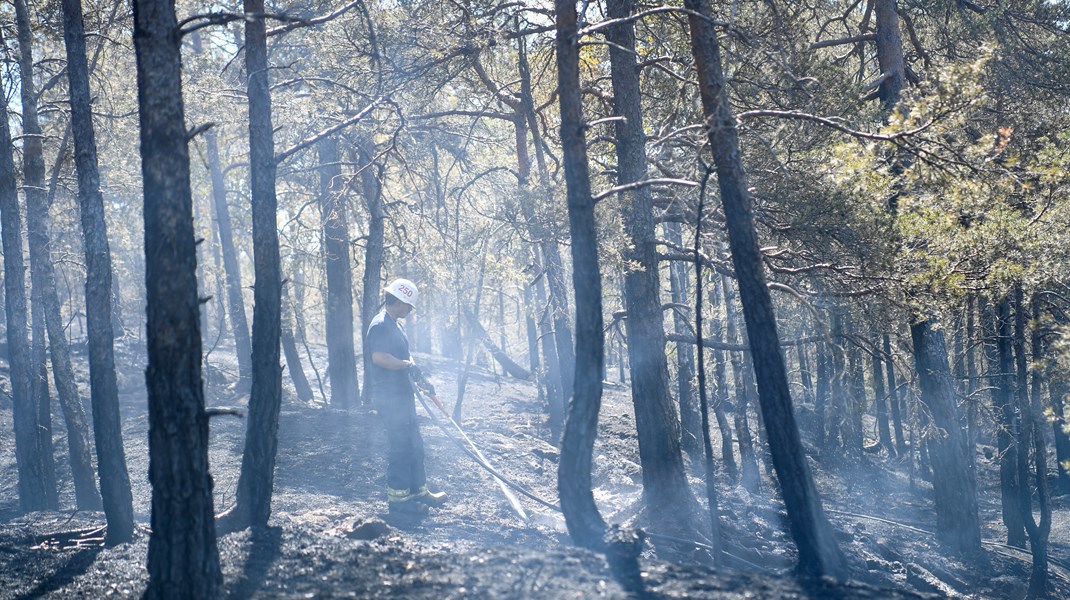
{"x": 787, "y": 114}
{"x": 640, "y": 184}
{"x": 855, "y": 39}
{"x": 281, "y": 156}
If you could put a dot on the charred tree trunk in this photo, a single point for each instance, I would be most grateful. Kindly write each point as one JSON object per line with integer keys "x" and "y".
{"x": 1059, "y": 390}
{"x": 893, "y": 397}
{"x": 1000, "y": 379}
{"x": 239, "y": 324}
{"x": 27, "y": 458}
{"x": 819, "y": 553}
{"x": 293, "y": 357}
{"x": 508, "y": 365}
{"x": 821, "y": 394}
{"x": 954, "y": 484}
{"x": 341, "y": 355}
{"x": 720, "y": 380}
{"x": 971, "y": 384}
{"x": 104, "y": 388}
{"x": 256, "y": 482}
{"x": 880, "y": 401}
{"x": 690, "y": 417}
{"x": 183, "y": 559}
{"x": 33, "y": 171}
{"x": 749, "y": 475}
{"x": 373, "y": 251}
{"x": 584, "y": 522}
{"x": 665, "y": 489}
{"x": 1032, "y": 437}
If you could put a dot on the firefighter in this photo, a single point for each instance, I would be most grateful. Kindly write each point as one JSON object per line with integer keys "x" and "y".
{"x": 392, "y": 374}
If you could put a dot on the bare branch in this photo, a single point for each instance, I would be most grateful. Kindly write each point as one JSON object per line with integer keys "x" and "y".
{"x": 854, "y": 39}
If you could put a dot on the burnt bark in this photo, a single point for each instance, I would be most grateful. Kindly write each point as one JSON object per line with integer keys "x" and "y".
{"x": 239, "y": 324}
{"x": 33, "y": 171}
{"x": 509, "y": 365}
{"x": 104, "y": 387}
{"x": 183, "y": 558}
{"x": 893, "y": 396}
{"x": 293, "y": 357}
{"x": 665, "y": 487}
{"x": 341, "y": 354}
{"x": 954, "y": 484}
{"x": 584, "y": 522}
{"x": 373, "y": 251}
{"x": 1032, "y": 439}
{"x": 253, "y": 498}
{"x": 748, "y": 459}
{"x": 1000, "y": 377}
{"x": 819, "y": 553}
{"x": 880, "y": 403}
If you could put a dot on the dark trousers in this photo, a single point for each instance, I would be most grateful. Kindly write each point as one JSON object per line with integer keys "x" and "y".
{"x": 405, "y": 455}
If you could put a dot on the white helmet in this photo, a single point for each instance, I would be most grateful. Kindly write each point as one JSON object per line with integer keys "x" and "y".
{"x": 404, "y": 290}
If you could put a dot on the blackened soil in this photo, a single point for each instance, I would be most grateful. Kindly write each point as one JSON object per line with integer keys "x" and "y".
{"x": 330, "y": 535}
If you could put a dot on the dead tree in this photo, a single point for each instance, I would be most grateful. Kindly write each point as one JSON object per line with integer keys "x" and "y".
{"x": 183, "y": 559}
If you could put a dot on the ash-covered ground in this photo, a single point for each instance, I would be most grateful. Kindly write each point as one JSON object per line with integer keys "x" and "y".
{"x": 331, "y": 536}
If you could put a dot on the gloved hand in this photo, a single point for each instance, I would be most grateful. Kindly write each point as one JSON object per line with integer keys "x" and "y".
{"x": 415, "y": 372}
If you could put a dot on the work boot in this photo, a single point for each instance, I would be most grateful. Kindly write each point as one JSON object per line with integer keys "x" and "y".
{"x": 407, "y": 508}
{"x": 430, "y": 498}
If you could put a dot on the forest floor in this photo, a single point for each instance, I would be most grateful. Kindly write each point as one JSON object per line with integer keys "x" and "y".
{"x": 331, "y": 536}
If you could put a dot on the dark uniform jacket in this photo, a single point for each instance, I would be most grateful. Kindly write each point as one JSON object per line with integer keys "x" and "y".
{"x": 385, "y": 335}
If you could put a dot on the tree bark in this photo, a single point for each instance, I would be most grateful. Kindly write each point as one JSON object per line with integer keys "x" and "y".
{"x": 720, "y": 379}
{"x": 28, "y": 461}
{"x": 293, "y": 357}
{"x": 954, "y": 484}
{"x": 373, "y": 251}
{"x": 819, "y": 553}
{"x": 33, "y": 170}
{"x": 341, "y": 355}
{"x": 183, "y": 559}
{"x": 665, "y": 488}
{"x": 239, "y": 324}
{"x": 690, "y": 417}
{"x": 1032, "y": 437}
{"x": 104, "y": 388}
{"x": 584, "y": 522}
{"x": 880, "y": 402}
{"x": 749, "y": 475}
{"x": 998, "y": 350}
{"x": 893, "y": 397}
{"x": 257, "y": 479}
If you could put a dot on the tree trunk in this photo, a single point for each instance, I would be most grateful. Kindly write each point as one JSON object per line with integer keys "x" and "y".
{"x": 257, "y": 479}
{"x": 749, "y": 476}
{"x": 821, "y": 394}
{"x": 370, "y": 174}
{"x": 584, "y": 522}
{"x": 880, "y": 402}
{"x": 104, "y": 388}
{"x": 893, "y": 397}
{"x": 1032, "y": 437}
{"x": 690, "y": 417}
{"x": 1000, "y": 379}
{"x": 508, "y": 365}
{"x": 293, "y": 357}
{"x": 341, "y": 355}
{"x": 239, "y": 324}
{"x": 665, "y": 489}
{"x": 971, "y": 384}
{"x": 27, "y": 458}
{"x": 720, "y": 379}
{"x": 183, "y": 559}
{"x": 33, "y": 170}
{"x": 819, "y": 553}
{"x": 954, "y": 484}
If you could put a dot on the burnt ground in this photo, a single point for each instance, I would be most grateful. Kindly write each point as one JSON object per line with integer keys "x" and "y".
{"x": 330, "y": 536}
